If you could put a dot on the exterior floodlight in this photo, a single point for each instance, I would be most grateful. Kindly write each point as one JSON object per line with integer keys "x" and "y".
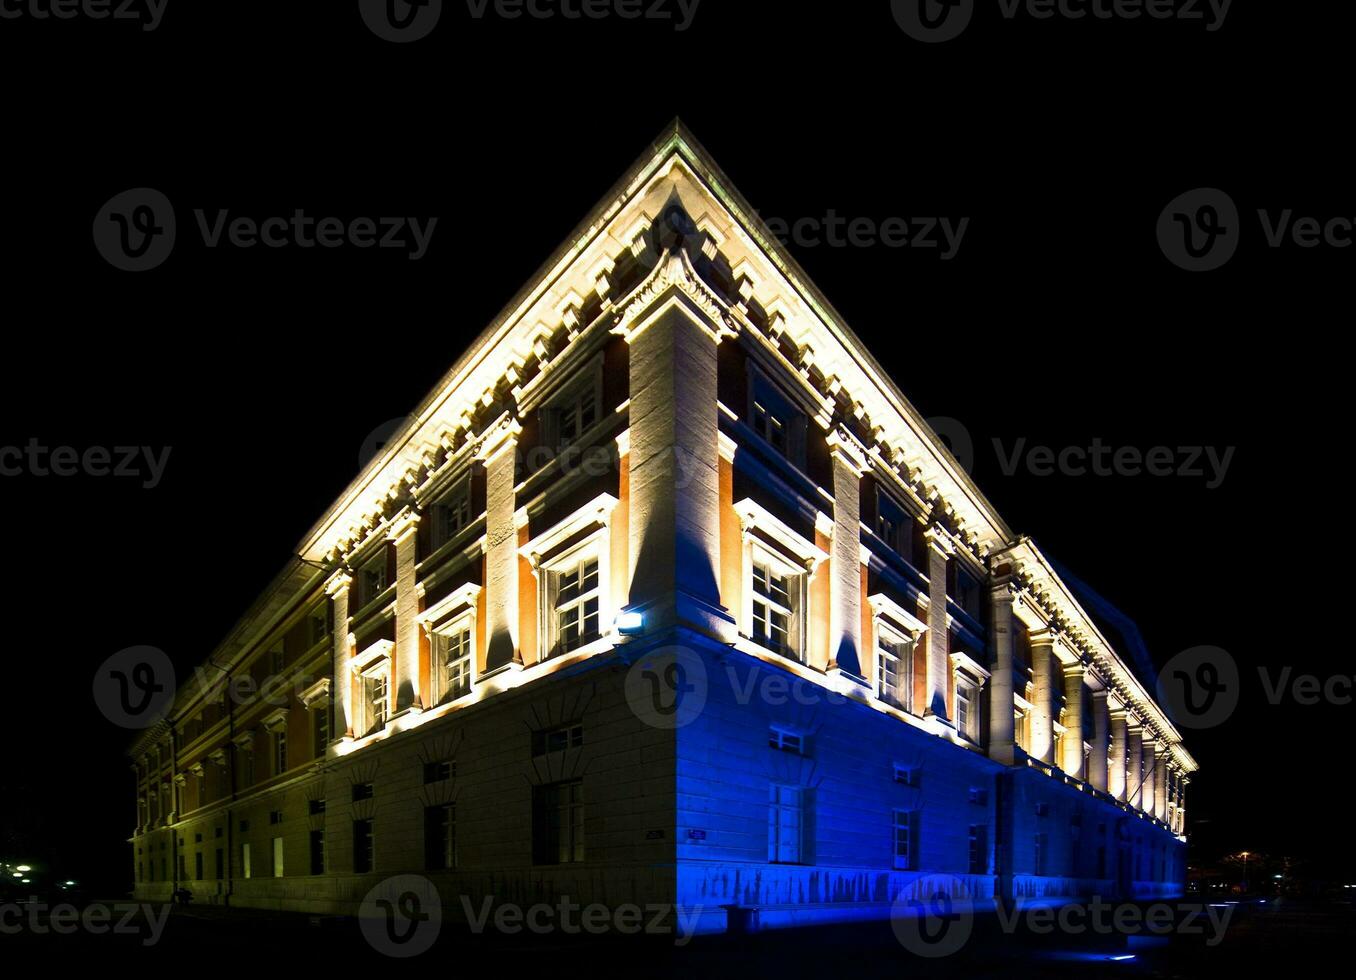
{"x": 630, "y": 623}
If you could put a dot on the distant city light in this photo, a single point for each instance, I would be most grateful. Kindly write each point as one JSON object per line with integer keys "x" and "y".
{"x": 18, "y": 874}
{"x": 23, "y": 867}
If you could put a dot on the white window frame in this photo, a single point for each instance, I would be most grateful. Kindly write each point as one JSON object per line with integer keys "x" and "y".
{"x": 888, "y": 617}
{"x": 586, "y": 535}
{"x": 380, "y": 560}
{"x": 966, "y": 670}
{"x": 570, "y": 400}
{"x": 904, "y": 827}
{"x": 444, "y": 667}
{"x": 786, "y": 740}
{"x": 785, "y": 836}
{"x": 457, "y": 500}
{"x": 372, "y": 665}
{"x": 769, "y": 542}
{"x": 455, "y": 612}
{"x": 765, "y": 608}
{"x": 573, "y": 571}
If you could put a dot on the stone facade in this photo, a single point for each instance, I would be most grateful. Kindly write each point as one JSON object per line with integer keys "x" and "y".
{"x": 664, "y": 595}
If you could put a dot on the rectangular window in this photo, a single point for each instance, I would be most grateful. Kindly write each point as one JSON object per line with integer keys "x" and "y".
{"x": 319, "y": 623}
{"x": 220, "y": 864}
{"x": 320, "y": 730}
{"x": 275, "y": 817}
{"x": 908, "y": 775}
{"x": 773, "y": 608}
{"x": 276, "y": 661}
{"x": 558, "y": 822}
{"x": 574, "y": 413}
{"x": 966, "y": 709}
{"x": 894, "y": 526}
{"x": 979, "y": 849}
{"x": 784, "y": 824}
{"x": 362, "y": 791}
{"x": 373, "y": 579}
{"x": 377, "y": 693}
{"x": 452, "y": 661}
{"x": 364, "y": 847}
{"x": 452, "y": 514}
{"x": 197, "y": 866}
{"x": 277, "y": 857}
{"x": 315, "y": 807}
{"x": 279, "y": 753}
{"x": 965, "y": 593}
{"x": 317, "y": 852}
{"x": 440, "y": 837}
{"x": 577, "y": 598}
{"x": 905, "y": 831}
{"x": 894, "y": 668}
{"x": 780, "y": 424}
{"x": 786, "y": 741}
{"x": 245, "y": 864}
{"x": 437, "y": 772}
{"x": 557, "y": 739}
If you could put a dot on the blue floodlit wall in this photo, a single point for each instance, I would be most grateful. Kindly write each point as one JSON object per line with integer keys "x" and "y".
{"x": 846, "y": 771}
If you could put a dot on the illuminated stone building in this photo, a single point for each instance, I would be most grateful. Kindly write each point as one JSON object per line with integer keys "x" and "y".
{"x": 668, "y": 440}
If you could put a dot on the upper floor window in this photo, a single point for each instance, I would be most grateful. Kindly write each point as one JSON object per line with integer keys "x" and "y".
{"x": 894, "y": 668}
{"x": 373, "y": 579}
{"x": 776, "y": 599}
{"x": 452, "y": 649}
{"x": 572, "y": 413}
{"x": 279, "y": 753}
{"x": 376, "y": 691}
{"x": 968, "y": 679}
{"x": 319, "y": 624}
{"x": 894, "y": 526}
{"x": 776, "y": 419}
{"x": 576, "y": 604}
{"x": 965, "y": 590}
{"x": 452, "y": 514}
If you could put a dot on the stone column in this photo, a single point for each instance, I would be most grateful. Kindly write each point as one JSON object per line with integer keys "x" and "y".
{"x": 1148, "y": 792}
{"x": 407, "y": 694}
{"x": 1182, "y": 785}
{"x": 337, "y": 588}
{"x": 1134, "y": 762}
{"x": 1044, "y": 712}
{"x": 845, "y": 567}
{"x": 1101, "y": 734}
{"x": 1115, "y": 768}
{"x": 498, "y": 454}
{"x": 1002, "y": 742}
{"x": 1072, "y": 763}
{"x": 674, "y": 521}
{"x": 940, "y": 550}
{"x": 1161, "y": 786}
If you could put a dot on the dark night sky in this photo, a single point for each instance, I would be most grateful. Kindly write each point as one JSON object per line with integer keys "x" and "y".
{"x": 1058, "y": 322}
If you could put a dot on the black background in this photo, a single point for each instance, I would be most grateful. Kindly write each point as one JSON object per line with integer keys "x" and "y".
{"x": 1059, "y": 321}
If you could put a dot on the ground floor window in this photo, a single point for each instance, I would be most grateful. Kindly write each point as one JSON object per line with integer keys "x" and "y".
{"x": 785, "y": 824}
{"x": 906, "y": 839}
{"x": 364, "y": 847}
{"x": 558, "y": 822}
{"x": 440, "y": 837}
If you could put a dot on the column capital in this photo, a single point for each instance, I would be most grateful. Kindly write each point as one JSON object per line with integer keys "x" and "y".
{"x": 845, "y": 449}
{"x": 940, "y": 540}
{"x": 338, "y": 582}
{"x": 502, "y": 435}
{"x": 404, "y": 524}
